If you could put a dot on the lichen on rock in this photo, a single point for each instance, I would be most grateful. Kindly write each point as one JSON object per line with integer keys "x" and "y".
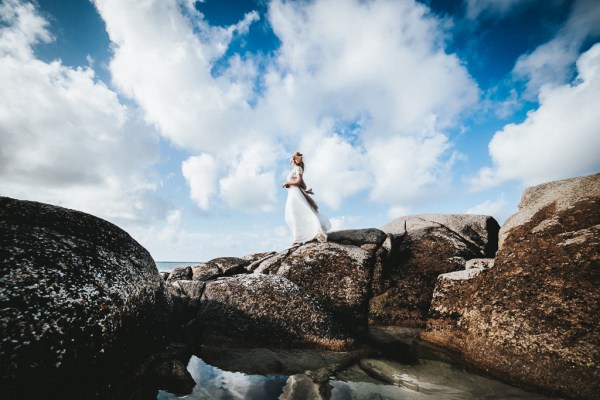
{"x": 80, "y": 300}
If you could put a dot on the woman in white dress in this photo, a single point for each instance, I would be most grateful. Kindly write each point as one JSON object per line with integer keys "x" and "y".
{"x": 301, "y": 211}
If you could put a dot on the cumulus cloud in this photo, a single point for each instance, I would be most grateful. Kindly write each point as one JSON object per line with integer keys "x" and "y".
{"x": 495, "y": 208}
{"x": 551, "y": 63}
{"x": 66, "y": 139}
{"x": 201, "y": 174}
{"x": 172, "y": 239}
{"x": 250, "y": 185}
{"x": 379, "y": 67}
{"x": 405, "y": 168}
{"x": 335, "y": 169}
{"x": 163, "y": 60}
{"x": 558, "y": 140}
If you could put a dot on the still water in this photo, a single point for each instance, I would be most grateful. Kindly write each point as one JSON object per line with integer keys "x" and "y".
{"x": 311, "y": 374}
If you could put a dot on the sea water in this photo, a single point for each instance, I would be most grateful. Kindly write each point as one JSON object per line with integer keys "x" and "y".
{"x": 167, "y": 266}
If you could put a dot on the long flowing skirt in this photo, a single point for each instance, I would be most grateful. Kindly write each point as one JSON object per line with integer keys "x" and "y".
{"x": 303, "y": 221}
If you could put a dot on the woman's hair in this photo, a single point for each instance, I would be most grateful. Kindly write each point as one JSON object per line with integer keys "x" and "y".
{"x": 297, "y": 157}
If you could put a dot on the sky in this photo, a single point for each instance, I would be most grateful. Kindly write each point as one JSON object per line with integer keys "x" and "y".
{"x": 175, "y": 119}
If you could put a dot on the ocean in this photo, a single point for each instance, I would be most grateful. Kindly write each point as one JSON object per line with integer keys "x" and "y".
{"x": 167, "y": 266}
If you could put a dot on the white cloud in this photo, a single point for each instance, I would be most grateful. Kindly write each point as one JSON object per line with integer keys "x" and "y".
{"x": 551, "y": 63}
{"x": 65, "y": 137}
{"x": 405, "y": 168}
{"x": 201, "y": 173}
{"x": 334, "y": 168}
{"x": 379, "y": 65}
{"x": 558, "y": 140}
{"x": 398, "y": 211}
{"x": 166, "y": 68}
{"x": 494, "y": 208}
{"x": 344, "y": 222}
{"x": 250, "y": 186}
{"x": 172, "y": 241}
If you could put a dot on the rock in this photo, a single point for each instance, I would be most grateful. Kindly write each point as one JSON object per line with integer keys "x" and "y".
{"x": 438, "y": 380}
{"x": 222, "y": 266}
{"x": 268, "y": 310}
{"x": 254, "y": 260}
{"x": 164, "y": 275}
{"x": 357, "y": 237}
{"x": 276, "y": 361}
{"x": 395, "y": 342}
{"x": 188, "y": 292}
{"x": 255, "y": 264}
{"x": 483, "y": 263}
{"x": 180, "y": 273}
{"x": 164, "y": 370}
{"x": 205, "y": 272}
{"x": 338, "y": 276}
{"x": 80, "y": 302}
{"x": 480, "y": 231}
{"x": 421, "y": 248}
{"x": 271, "y": 264}
{"x": 562, "y": 194}
{"x": 300, "y": 387}
{"x": 170, "y": 374}
{"x": 230, "y": 265}
{"x": 532, "y": 319}
{"x": 257, "y": 256}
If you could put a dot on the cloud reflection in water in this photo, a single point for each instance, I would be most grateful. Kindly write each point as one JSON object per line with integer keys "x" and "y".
{"x": 214, "y": 383}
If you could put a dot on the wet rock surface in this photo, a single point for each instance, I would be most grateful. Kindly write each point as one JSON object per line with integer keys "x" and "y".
{"x": 80, "y": 302}
{"x": 532, "y": 319}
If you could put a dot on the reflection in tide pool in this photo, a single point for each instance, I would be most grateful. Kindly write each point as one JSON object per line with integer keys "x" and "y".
{"x": 213, "y": 383}
{"x": 364, "y": 379}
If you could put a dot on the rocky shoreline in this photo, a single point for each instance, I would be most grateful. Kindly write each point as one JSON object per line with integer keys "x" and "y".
{"x": 82, "y": 304}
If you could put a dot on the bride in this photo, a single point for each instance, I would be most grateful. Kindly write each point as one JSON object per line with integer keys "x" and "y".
{"x": 301, "y": 211}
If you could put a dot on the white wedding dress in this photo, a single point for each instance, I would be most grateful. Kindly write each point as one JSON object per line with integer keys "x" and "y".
{"x": 305, "y": 223}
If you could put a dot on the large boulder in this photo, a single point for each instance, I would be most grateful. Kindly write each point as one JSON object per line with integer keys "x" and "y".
{"x": 421, "y": 248}
{"x": 561, "y": 195}
{"x": 480, "y": 231}
{"x": 336, "y": 275}
{"x": 80, "y": 302}
{"x": 267, "y": 310}
{"x": 532, "y": 319}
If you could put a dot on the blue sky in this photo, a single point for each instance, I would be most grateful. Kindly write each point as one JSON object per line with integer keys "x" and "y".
{"x": 175, "y": 119}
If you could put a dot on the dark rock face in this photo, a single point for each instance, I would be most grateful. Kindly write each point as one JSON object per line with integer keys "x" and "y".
{"x": 180, "y": 273}
{"x": 532, "y": 319}
{"x": 421, "y": 248}
{"x": 187, "y": 292}
{"x": 265, "y": 310}
{"x": 80, "y": 301}
{"x": 163, "y": 370}
{"x": 230, "y": 265}
{"x": 357, "y": 237}
{"x": 338, "y": 276}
